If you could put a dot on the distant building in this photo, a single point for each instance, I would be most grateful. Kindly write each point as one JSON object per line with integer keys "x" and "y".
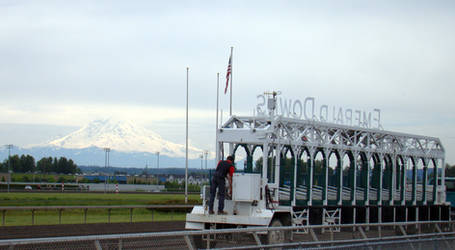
{"x": 101, "y": 178}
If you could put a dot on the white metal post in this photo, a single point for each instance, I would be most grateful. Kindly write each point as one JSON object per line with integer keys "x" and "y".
{"x": 414, "y": 182}
{"x": 367, "y": 186}
{"x": 276, "y": 168}
{"x": 354, "y": 184}
{"x": 340, "y": 179}
{"x": 326, "y": 176}
{"x": 405, "y": 168}
{"x": 443, "y": 174}
{"x": 382, "y": 167}
{"x": 425, "y": 181}
{"x": 310, "y": 191}
{"x": 394, "y": 182}
{"x": 186, "y": 141}
{"x": 230, "y": 89}
{"x": 295, "y": 149}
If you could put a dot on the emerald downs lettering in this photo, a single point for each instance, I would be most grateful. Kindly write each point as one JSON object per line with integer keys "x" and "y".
{"x": 308, "y": 110}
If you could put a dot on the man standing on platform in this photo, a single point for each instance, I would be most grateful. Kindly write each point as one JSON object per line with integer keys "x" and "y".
{"x": 223, "y": 169}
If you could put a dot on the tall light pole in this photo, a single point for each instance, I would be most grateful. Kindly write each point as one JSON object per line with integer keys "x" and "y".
{"x": 106, "y": 164}
{"x": 158, "y": 159}
{"x": 9, "y": 146}
{"x": 206, "y": 152}
{"x": 186, "y": 142}
{"x": 202, "y": 159}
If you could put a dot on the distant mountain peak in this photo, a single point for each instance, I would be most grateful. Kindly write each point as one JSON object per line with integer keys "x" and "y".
{"x": 123, "y": 136}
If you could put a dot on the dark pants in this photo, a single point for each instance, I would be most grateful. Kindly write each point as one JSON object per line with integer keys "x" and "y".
{"x": 220, "y": 183}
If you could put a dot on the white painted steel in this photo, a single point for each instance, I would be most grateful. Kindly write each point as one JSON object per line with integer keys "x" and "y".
{"x": 258, "y": 217}
{"x": 275, "y": 134}
{"x": 246, "y": 187}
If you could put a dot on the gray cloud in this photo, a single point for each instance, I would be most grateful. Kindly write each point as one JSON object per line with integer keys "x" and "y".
{"x": 396, "y": 56}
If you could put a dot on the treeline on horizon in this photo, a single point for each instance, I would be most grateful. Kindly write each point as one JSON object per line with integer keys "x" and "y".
{"x": 27, "y": 164}
{"x": 141, "y": 171}
{"x": 450, "y": 170}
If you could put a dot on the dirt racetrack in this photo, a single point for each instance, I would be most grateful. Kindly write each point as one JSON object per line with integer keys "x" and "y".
{"x": 41, "y": 231}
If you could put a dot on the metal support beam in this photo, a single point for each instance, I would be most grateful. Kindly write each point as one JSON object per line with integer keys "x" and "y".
{"x": 425, "y": 181}
{"x": 353, "y": 165}
{"x": 340, "y": 179}
{"x": 277, "y": 170}
{"x": 367, "y": 186}
{"x": 98, "y": 245}
{"x": 414, "y": 182}
{"x": 382, "y": 167}
{"x": 294, "y": 186}
{"x": 363, "y": 234}
{"x": 393, "y": 184}
{"x": 405, "y": 234}
{"x": 310, "y": 184}
{"x": 403, "y": 181}
{"x": 188, "y": 242}
{"x": 258, "y": 241}
{"x": 313, "y": 235}
{"x": 326, "y": 177}
{"x": 120, "y": 244}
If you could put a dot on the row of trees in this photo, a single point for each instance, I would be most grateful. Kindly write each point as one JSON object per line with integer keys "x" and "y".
{"x": 450, "y": 170}
{"x": 26, "y": 164}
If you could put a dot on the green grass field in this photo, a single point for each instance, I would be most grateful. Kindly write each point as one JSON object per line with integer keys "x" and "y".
{"x": 71, "y": 216}
{"x": 92, "y": 199}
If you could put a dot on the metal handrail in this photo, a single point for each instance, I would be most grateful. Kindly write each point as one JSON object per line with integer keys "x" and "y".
{"x": 354, "y": 243}
{"x": 240, "y": 230}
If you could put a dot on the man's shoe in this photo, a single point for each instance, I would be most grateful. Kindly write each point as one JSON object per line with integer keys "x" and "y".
{"x": 222, "y": 212}
{"x": 211, "y": 212}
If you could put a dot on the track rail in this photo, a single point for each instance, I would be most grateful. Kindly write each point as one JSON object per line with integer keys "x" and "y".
{"x": 409, "y": 233}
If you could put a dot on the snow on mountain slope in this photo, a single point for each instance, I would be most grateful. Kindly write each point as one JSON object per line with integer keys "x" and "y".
{"x": 122, "y": 136}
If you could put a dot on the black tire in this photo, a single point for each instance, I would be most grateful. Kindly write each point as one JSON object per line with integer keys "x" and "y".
{"x": 276, "y": 236}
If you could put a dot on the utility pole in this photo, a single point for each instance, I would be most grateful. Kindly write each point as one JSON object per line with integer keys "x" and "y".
{"x": 186, "y": 146}
{"x": 106, "y": 164}
{"x": 206, "y": 152}
{"x": 146, "y": 172}
{"x": 202, "y": 158}
{"x": 9, "y": 146}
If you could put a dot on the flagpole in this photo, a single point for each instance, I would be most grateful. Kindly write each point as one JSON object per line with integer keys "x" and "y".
{"x": 217, "y": 107}
{"x": 186, "y": 149}
{"x": 217, "y": 97}
{"x": 230, "y": 90}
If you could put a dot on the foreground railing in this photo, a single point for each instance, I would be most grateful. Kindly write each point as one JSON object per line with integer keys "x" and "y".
{"x": 414, "y": 235}
{"x": 60, "y": 209}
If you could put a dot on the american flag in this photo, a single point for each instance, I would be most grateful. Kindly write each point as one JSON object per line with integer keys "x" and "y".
{"x": 228, "y": 74}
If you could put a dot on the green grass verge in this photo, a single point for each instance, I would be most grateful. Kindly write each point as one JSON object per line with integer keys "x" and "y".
{"x": 74, "y": 216}
{"x": 93, "y": 199}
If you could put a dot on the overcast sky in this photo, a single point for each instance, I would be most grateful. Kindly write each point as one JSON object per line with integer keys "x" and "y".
{"x": 65, "y": 63}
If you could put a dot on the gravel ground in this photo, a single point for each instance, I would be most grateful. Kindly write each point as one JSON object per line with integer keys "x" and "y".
{"x": 41, "y": 231}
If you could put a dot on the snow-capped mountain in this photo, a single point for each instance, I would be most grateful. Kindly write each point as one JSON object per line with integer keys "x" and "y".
{"x": 123, "y": 136}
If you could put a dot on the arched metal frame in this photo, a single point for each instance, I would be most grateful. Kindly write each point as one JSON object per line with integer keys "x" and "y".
{"x": 393, "y": 153}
